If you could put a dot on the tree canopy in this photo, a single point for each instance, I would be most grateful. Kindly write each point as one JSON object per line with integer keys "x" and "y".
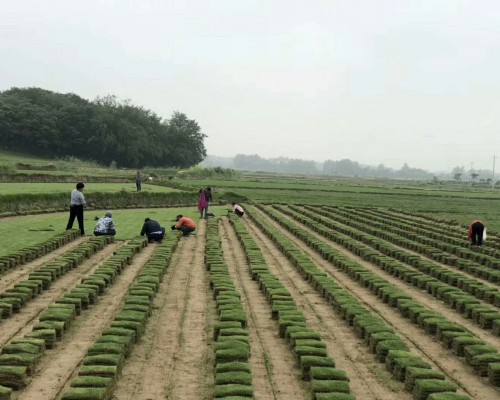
{"x": 50, "y": 124}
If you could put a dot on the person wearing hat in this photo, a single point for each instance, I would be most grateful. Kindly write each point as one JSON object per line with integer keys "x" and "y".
{"x": 105, "y": 225}
{"x": 76, "y": 205}
{"x": 185, "y": 225}
{"x": 153, "y": 230}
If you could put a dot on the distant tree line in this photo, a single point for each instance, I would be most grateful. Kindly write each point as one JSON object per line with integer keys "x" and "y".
{"x": 343, "y": 167}
{"x": 50, "y": 124}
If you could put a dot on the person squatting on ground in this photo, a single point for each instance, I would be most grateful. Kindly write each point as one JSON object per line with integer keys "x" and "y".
{"x": 238, "y": 210}
{"x": 476, "y": 231}
{"x": 185, "y": 225}
{"x": 138, "y": 181}
{"x": 105, "y": 225}
{"x": 203, "y": 203}
{"x": 76, "y": 206}
{"x": 152, "y": 230}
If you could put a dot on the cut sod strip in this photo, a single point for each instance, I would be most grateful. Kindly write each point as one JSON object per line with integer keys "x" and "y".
{"x": 233, "y": 375}
{"x": 101, "y": 367}
{"x": 381, "y": 339}
{"x": 452, "y": 335}
{"x": 327, "y": 382}
{"x": 11, "y": 300}
{"x": 31, "y": 253}
{"x": 19, "y": 357}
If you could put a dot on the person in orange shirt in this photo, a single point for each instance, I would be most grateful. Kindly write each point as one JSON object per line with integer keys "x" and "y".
{"x": 185, "y": 225}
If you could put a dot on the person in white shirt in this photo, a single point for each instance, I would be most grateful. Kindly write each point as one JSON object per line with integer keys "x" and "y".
{"x": 238, "y": 210}
{"x": 76, "y": 207}
{"x": 105, "y": 225}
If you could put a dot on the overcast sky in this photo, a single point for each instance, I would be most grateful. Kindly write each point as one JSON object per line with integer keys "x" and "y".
{"x": 375, "y": 81}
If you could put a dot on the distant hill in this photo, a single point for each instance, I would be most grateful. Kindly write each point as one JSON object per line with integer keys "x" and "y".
{"x": 345, "y": 167}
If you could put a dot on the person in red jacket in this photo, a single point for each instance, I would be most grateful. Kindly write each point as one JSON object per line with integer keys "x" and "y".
{"x": 476, "y": 231}
{"x": 185, "y": 225}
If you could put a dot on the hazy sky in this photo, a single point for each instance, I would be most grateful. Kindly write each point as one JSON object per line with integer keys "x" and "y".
{"x": 376, "y": 81}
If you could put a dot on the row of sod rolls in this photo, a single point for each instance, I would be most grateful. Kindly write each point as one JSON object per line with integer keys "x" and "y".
{"x": 327, "y": 382}
{"x": 233, "y": 377}
{"x": 33, "y": 252}
{"x": 472, "y": 350}
{"x": 103, "y": 363}
{"x": 20, "y": 355}
{"x": 11, "y": 300}
{"x": 383, "y": 341}
{"x": 469, "y": 348}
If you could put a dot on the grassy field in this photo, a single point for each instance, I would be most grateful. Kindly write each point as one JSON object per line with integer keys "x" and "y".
{"x": 19, "y": 232}
{"x": 33, "y": 188}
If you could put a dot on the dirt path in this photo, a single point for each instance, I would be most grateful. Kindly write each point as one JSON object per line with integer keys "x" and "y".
{"x": 22, "y": 272}
{"x": 369, "y": 379}
{"x": 59, "y": 365}
{"x": 275, "y": 374}
{"x": 22, "y": 322}
{"x": 419, "y": 342}
{"x": 173, "y": 361}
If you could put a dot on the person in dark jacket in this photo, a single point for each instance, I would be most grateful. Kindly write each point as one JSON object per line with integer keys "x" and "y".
{"x": 138, "y": 180}
{"x": 152, "y": 230}
{"x": 476, "y": 231}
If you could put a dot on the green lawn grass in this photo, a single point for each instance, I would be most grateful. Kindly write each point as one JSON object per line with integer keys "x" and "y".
{"x": 19, "y": 232}
{"x": 33, "y": 188}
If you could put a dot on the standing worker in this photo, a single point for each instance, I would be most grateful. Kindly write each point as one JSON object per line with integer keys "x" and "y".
{"x": 203, "y": 203}
{"x": 138, "y": 180}
{"x": 76, "y": 207}
{"x": 185, "y": 225}
{"x": 476, "y": 231}
{"x": 152, "y": 230}
{"x": 208, "y": 196}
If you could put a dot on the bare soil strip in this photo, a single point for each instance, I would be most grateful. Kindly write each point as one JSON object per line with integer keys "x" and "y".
{"x": 369, "y": 379}
{"x": 175, "y": 334}
{"x": 417, "y": 340}
{"x": 59, "y": 365}
{"x": 22, "y": 322}
{"x": 19, "y": 273}
{"x": 275, "y": 374}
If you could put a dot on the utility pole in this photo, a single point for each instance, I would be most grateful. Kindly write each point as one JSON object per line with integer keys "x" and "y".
{"x": 493, "y": 179}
